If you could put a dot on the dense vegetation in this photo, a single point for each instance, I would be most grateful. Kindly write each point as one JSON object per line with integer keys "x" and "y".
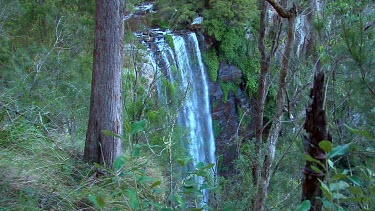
{"x": 45, "y": 73}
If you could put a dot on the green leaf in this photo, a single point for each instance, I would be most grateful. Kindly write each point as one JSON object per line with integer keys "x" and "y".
{"x": 316, "y": 169}
{"x": 136, "y": 150}
{"x": 109, "y": 133}
{"x": 363, "y": 133}
{"x": 181, "y": 162}
{"x": 338, "y": 150}
{"x": 355, "y": 190}
{"x": 311, "y": 159}
{"x": 355, "y": 180}
{"x": 144, "y": 179}
{"x": 304, "y": 206}
{"x": 339, "y": 176}
{"x": 340, "y": 185}
{"x": 325, "y": 145}
{"x": 338, "y": 196}
{"x": 327, "y": 193}
{"x": 157, "y": 183}
{"x": 330, "y": 163}
{"x": 119, "y": 162}
{"x": 137, "y": 127}
{"x": 199, "y": 165}
{"x": 208, "y": 166}
{"x": 97, "y": 200}
{"x": 133, "y": 201}
{"x": 196, "y": 209}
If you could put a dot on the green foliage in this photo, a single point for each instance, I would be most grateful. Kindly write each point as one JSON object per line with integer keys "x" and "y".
{"x": 177, "y": 14}
{"x": 345, "y": 187}
{"x": 228, "y": 87}
{"x": 224, "y": 15}
{"x": 304, "y": 206}
{"x": 142, "y": 191}
{"x": 211, "y": 60}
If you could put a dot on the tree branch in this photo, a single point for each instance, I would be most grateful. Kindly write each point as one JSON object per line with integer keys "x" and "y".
{"x": 280, "y": 10}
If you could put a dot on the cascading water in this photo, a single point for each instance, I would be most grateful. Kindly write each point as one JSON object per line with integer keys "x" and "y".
{"x": 183, "y": 65}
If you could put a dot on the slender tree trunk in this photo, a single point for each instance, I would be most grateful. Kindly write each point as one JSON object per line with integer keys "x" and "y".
{"x": 106, "y": 87}
{"x": 262, "y": 92}
{"x": 264, "y": 180}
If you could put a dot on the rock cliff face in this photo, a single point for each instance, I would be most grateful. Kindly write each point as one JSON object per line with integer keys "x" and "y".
{"x": 227, "y": 112}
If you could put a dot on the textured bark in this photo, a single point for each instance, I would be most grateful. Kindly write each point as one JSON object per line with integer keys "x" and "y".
{"x": 106, "y": 87}
{"x": 316, "y": 121}
{"x": 317, "y": 130}
{"x": 264, "y": 82}
{"x": 262, "y": 92}
{"x": 264, "y": 180}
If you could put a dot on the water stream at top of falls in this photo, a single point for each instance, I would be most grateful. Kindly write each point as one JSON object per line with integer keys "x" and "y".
{"x": 183, "y": 65}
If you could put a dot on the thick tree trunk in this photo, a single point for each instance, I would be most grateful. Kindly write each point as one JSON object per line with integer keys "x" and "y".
{"x": 106, "y": 87}
{"x": 264, "y": 180}
{"x": 317, "y": 130}
{"x": 316, "y": 121}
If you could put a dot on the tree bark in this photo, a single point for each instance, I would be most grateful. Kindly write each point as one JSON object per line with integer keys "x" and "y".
{"x": 106, "y": 86}
{"x": 264, "y": 180}
{"x": 316, "y": 122}
{"x": 317, "y": 130}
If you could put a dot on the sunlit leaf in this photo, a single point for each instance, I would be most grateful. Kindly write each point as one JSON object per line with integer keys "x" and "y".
{"x": 330, "y": 163}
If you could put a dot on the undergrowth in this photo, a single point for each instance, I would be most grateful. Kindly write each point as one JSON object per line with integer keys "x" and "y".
{"x": 40, "y": 172}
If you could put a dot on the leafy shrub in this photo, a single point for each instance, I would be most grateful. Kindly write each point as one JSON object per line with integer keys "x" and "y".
{"x": 211, "y": 60}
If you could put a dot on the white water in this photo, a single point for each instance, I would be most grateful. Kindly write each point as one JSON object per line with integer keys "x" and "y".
{"x": 196, "y": 111}
{"x": 189, "y": 74}
{"x": 300, "y": 33}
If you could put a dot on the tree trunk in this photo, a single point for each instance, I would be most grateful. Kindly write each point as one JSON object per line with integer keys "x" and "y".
{"x": 317, "y": 131}
{"x": 106, "y": 87}
{"x": 264, "y": 180}
{"x": 316, "y": 122}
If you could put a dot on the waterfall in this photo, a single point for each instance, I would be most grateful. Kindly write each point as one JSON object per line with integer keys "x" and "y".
{"x": 195, "y": 112}
{"x": 182, "y": 64}
{"x": 300, "y": 33}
